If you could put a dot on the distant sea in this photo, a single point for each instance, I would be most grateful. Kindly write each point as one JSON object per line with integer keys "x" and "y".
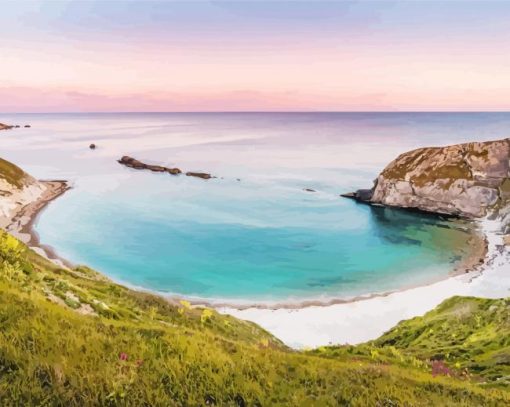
{"x": 253, "y": 233}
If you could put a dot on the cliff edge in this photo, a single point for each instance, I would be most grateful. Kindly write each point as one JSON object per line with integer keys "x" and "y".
{"x": 17, "y": 189}
{"x": 469, "y": 180}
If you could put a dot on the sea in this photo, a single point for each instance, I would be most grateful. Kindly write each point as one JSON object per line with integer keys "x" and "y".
{"x": 254, "y": 233}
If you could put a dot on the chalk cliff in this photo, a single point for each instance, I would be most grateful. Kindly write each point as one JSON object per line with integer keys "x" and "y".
{"x": 17, "y": 189}
{"x": 470, "y": 180}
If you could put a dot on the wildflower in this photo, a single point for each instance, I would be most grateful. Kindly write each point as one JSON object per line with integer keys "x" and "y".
{"x": 185, "y": 304}
{"x": 440, "y": 368}
{"x": 123, "y": 356}
{"x": 206, "y": 314}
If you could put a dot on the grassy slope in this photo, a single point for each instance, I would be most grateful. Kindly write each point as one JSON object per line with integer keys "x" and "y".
{"x": 471, "y": 333}
{"x": 51, "y": 354}
{"x": 469, "y": 337}
{"x": 12, "y": 174}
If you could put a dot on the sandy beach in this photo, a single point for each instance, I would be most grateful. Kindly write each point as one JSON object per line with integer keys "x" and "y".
{"x": 24, "y": 216}
{"x": 360, "y": 321}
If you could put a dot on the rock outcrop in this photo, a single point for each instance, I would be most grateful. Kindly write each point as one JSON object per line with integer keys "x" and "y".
{"x": 469, "y": 180}
{"x": 17, "y": 189}
{"x": 138, "y": 165}
{"x": 5, "y": 126}
{"x": 203, "y": 175}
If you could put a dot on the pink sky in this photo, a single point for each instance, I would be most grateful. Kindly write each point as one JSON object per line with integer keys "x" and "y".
{"x": 222, "y": 59}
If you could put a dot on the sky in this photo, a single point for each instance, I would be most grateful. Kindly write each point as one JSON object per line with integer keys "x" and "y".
{"x": 95, "y": 56}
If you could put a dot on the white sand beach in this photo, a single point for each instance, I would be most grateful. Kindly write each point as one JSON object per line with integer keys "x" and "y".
{"x": 364, "y": 320}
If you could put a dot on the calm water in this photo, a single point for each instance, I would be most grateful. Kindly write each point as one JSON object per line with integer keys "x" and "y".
{"x": 261, "y": 237}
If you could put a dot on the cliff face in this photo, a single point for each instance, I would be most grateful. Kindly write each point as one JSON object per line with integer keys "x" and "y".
{"x": 468, "y": 180}
{"x": 17, "y": 189}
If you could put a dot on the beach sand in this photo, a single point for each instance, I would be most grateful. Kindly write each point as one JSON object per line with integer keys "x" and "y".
{"x": 23, "y": 218}
{"x": 360, "y": 321}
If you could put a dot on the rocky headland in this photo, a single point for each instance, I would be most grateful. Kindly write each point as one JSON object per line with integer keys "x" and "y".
{"x": 5, "y": 126}
{"x": 22, "y": 197}
{"x": 470, "y": 180}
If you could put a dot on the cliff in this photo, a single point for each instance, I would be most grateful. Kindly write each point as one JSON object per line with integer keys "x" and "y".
{"x": 17, "y": 189}
{"x": 468, "y": 180}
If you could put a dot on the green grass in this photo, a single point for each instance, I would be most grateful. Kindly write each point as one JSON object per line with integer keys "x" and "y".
{"x": 470, "y": 333}
{"x": 12, "y": 174}
{"x": 74, "y": 338}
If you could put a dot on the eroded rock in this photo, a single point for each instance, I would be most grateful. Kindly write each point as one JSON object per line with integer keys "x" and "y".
{"x": 5, "y": 126}
{"x": 138, "y": 165}
{"x": 203, "y": 175}
{"x": 468, "y": 180}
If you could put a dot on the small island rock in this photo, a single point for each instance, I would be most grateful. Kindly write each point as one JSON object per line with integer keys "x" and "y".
{"x": 202, "y": 175}
{"x": 138, "y": 165}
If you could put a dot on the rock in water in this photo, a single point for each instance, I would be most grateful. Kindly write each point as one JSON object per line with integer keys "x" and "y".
{"x": 202, "y": 175}
{"x": 138, "y": 165}
{"x": 468, "y": 180}
{"x": 92, "y": 146}
{"x": 360, "y": 195}
{"x": 5, "y": 126}
{"x": 27, "y": 125}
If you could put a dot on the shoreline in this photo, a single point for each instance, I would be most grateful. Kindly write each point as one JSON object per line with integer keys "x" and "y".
{"x": 307, "y": 323}
{"x": 22, "y": 223}
{"x": 361, "y": 321}
{"x": 470, "y": 265}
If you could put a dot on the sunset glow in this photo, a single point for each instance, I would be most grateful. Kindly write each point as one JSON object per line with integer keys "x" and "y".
{"x": 244, "y": 56}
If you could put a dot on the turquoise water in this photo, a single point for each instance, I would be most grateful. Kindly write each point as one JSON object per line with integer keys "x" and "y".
{"x": 259, "y": 238}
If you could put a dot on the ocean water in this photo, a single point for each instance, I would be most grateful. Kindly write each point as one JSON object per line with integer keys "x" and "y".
{"x": 252, "y": 234}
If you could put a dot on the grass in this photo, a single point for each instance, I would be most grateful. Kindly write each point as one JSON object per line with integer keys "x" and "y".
{"x": 472, "y": 334}
{"x": 400, "y": 167}
{"x": 74, "y": 338}
{"x": 12, "y": 174}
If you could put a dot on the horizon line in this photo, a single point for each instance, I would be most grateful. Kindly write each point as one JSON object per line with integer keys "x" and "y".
{"x": 260, "y": 111}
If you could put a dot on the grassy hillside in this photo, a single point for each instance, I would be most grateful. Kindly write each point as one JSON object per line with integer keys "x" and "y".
{"x": 74, "y": 338}
{"x": 12, "y": 174}
{"x": 470, "y": 333}
{"x": 464, "y": 337}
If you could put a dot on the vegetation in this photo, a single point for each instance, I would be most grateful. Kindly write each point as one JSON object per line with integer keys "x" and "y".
{"x": 12, "y": 174}
{"x": 465, "y": 337}
{"x": 74, "y": 338}
{"x": 432, "y": 169}
{"x": 471, "y": 334}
